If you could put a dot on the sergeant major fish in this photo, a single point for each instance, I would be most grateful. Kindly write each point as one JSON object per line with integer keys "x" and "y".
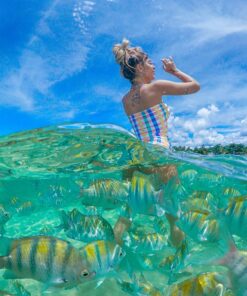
{"x": 235, "y": 215}
{"x": 199, "y": 226}
{"x": 105, "y": 193}
{"x": 143, "y": 243}
{"x": 102, "y": 256}
{"x": 43, "y": 258}
{"x": 86, "y": 228}
{"x": 139, "y": 286}
{"x": 142, "y": 197}
{"x": 205, "y": 284}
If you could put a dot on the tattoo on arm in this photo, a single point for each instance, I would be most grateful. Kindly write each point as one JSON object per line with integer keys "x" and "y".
{"x": 186, "y": 92}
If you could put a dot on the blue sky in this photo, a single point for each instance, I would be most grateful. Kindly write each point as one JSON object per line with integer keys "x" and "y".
{"x": 57, "y": 65}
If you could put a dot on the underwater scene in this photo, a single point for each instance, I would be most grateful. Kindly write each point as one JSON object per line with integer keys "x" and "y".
{"x": 91, "y": 210}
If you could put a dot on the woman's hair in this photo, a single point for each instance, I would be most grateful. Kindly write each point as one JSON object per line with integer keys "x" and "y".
{"x": 128, "y": 58}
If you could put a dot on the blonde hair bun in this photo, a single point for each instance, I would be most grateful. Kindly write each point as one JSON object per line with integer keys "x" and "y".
{"x": 119, "y": 50}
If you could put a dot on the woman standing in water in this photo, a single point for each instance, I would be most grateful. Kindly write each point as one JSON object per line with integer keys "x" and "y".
{"x": 145, "y": 109}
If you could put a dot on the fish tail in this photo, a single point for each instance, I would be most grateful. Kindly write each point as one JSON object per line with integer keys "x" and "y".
{"x": 2, "y": 262}
{"x": 5, "y": 244}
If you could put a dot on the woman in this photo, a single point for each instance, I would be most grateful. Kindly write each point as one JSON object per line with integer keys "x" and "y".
{"x": 145, "y": 109}
{"x": 143, "y": 103}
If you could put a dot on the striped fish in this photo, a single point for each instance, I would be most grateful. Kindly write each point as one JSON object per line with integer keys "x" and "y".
{"x": 86, "y": 228}
{"x": 105, "y": 193}
{"x": 142, "y": 198}
{"x": 175, "y": 261}
{"x": 205, "y": 284}
{"x": 235, "y": 215}
{"x": 102, "y": 256}
{"x": 139, "y": 286}
{"x": 43, "y": 258}
{"x": 143, "y": 243}
{"x": 199, "y": 226}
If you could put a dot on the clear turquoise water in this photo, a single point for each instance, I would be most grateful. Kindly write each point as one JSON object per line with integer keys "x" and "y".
{"x": 43, "y": 171}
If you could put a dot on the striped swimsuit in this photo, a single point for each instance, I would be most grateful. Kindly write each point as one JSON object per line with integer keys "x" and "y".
{"x": 150, "y": 125}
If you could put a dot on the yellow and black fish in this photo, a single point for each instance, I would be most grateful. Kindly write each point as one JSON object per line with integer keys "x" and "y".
{"x": 102, "y": 256}
{"x": 205, "y": 284}
{"x": 44, "y": 258}
{"x": 86, "y": 228}
{"x": 199, "y": 226}
{"x": 235, "y": 215}
{"x": 105, "y": 193}
{"x": 145, "y": 242}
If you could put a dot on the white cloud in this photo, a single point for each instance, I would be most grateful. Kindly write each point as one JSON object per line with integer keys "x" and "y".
{"x": 54, "y": 52}
{"x": 200, "y": 130}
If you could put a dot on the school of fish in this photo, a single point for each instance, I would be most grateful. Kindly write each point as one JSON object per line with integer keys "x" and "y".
{"x": 130, "y": 250}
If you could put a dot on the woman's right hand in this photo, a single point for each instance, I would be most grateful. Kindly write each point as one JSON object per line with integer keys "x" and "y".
{"x": 169, "y": 65}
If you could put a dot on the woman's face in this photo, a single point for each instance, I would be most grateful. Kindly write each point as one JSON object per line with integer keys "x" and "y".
{"x": 149, "y": 70}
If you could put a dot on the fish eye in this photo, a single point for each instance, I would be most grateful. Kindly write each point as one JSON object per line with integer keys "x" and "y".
{"x": 85, "y": 273}
{"x": 121, "y": 254}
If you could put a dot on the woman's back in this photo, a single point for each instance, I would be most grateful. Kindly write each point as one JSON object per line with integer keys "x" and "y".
{"x": 139, "y": 98}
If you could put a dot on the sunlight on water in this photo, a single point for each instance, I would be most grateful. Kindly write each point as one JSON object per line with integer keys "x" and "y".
{"x": 104, "y": 171}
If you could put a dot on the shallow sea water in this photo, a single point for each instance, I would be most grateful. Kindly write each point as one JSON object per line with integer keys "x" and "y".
{"x": 44, "y": 171}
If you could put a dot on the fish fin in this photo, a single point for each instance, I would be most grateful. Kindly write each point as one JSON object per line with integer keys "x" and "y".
{"x": 99, "y": 283}
{"x": 129, "y": 269}
{"x": 5, "y": 244}
{"x": 219, "y": 291}
{"x": 2, "y": 262}
{"x": 9, "y": 275}
{"x": 142, "y": 278}
{"x": 20, "y": 290}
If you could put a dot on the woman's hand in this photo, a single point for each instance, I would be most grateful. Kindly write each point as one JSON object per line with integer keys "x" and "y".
{"x": 169, "y": 65}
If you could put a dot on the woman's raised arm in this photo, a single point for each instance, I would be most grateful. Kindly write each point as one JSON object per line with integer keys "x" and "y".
{"x": 165, "y": 87}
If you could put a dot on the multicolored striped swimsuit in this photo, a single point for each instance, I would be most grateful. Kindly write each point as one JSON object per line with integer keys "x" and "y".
{"x": 150, "y": 125}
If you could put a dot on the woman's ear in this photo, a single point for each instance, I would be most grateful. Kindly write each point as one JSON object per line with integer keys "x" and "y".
{"x": 139, "y": 68}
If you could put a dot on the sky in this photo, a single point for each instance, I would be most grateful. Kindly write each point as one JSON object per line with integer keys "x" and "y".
{"x": 57, "y": 66}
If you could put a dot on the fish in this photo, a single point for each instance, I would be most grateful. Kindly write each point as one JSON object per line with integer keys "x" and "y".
{"x": 4, "y": 218}
{"x": 205, "y": 284}
{"x": 25, "y": 208}
{"x": 43, "y": 258}
{"x": 85, "y": 228}
{"x": 142, "y": 198}
{"x": 234, "y": 260}
{"x": 195, "y": 204}
{"x": 139, "y": 287}
{"x": 102, "y": 256}
{"x": 145, "y": 242}
{"x": 160, "y": 226}
{"x": 105, "y": 193}
{"x": 230, "y": 191}
{"x": 175, "y": 261}
{"x": 235, "y": 216}
{"x": 199, "y": 225}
